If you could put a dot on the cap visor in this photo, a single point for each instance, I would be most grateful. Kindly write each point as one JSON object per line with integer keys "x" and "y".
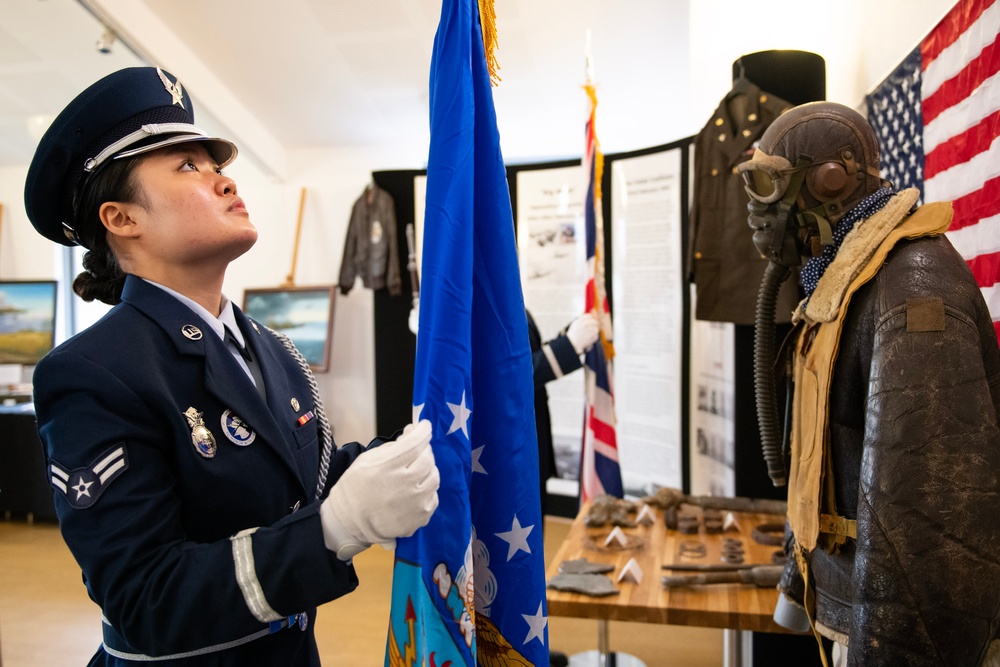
{"x": 221, "y": 150}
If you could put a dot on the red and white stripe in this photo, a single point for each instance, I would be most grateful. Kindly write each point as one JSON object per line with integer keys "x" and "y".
{"x": 960, "y": 91}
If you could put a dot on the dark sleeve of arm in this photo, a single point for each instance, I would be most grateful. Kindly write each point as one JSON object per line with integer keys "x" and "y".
{"x": 927, "y": 576}
{"x": 348, "y": 265}
{"x": 555, "y": 359}
{"x": 393, "y": 280}
{"x": 695, "y": 211}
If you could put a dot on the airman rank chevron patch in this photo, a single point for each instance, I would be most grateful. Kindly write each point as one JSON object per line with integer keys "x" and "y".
{"x": 83, "y": 486}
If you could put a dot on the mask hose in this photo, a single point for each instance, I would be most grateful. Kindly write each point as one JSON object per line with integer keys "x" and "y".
{"x": 763, "y": 373}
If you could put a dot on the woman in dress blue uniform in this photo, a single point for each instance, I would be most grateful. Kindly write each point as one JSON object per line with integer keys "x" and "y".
{"x": 194, "y": 475}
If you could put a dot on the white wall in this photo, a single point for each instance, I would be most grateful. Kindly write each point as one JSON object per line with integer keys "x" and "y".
{"x": 24, "y": 254}
{"x": 860, "y": 40}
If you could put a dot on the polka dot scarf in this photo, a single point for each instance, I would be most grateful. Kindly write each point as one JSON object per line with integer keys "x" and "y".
{"x": 816, "y": 267}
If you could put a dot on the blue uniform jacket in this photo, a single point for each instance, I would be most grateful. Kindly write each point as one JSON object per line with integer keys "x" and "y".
{"x": 182, "y": 551}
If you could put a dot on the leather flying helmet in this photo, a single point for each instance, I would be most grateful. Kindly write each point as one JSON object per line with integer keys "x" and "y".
{"x": 832, "y": 143}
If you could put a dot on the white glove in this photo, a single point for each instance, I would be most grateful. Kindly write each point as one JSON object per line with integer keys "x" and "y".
{"x": 414, "y": 321}
{"x": 387, "y": 492}
{"x": 583, "y": 332}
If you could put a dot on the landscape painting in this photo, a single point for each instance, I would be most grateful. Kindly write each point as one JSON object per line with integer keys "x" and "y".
{"x": 27, "y": 320}
{"x": 304, "y": 314}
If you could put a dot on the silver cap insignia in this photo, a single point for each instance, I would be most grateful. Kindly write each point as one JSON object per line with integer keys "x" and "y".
{"x": 176, "y": 90}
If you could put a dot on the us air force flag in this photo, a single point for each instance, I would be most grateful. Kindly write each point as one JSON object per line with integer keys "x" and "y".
{"x": 470, "y": 586}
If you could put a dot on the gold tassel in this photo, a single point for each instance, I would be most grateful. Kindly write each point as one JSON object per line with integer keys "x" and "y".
{"x": 488, "y": 20}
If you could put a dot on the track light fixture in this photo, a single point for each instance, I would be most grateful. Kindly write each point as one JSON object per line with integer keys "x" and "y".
{"x": 106, "y": 41}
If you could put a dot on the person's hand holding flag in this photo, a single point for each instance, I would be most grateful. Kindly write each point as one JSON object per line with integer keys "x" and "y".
{"x": 388, "y": 492}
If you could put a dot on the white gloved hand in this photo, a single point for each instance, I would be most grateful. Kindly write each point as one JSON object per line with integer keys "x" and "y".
{"x": 414, "y": 321}
{"x": 583, "y": 332}
{"x": 387, "y": 492}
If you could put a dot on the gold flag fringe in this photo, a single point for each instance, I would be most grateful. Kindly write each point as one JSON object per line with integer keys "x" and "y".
{"x": 488, "y": 20}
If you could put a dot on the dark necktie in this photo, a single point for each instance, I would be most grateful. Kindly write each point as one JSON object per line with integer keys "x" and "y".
{"x": 253, "y": 366}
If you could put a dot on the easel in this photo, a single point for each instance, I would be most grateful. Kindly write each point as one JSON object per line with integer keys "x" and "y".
{"x": 290, "y": 280}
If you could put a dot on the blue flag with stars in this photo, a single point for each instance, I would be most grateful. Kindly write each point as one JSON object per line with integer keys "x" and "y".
{"x": 469, "y": 588}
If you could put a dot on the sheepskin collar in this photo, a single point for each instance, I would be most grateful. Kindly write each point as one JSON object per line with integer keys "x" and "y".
{"x": 855, "y": 252}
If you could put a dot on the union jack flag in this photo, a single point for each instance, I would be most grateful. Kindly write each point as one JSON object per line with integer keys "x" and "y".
{"x": 937, "y": 116}
{"x": 599, "y": 469}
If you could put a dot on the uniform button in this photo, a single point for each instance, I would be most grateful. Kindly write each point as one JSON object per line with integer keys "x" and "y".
{"x": 722, "y": 137}
{"x": 752, "y": 117}
{"x": 719, "y": 121}
{"x": 697, "y": 254}
{"x": 736, "y": 170}
{"x": 715, "y": 172}
{"x": 763, "y": 98}
{"x": 303, "y": 621}
{"x": 746, "y": 133}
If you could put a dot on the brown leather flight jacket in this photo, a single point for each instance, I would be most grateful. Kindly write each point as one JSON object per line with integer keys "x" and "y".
{"x": 914, "y": 453}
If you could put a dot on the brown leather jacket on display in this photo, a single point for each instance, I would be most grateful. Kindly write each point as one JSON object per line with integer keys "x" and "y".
{"x": 722, "y": 261}
{"x": 370, "y": 250}
{"x": 896, "y": 440}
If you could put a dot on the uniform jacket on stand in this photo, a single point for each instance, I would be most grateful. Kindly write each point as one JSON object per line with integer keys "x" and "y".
{"x": 220, "y": 545}
{"x": 723, "y": 263}
{"x": 371, "y": 248}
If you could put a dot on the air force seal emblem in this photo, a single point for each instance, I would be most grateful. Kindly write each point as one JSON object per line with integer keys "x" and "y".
{"x": 237, "y": 430}
{"x": 83, "y": 486}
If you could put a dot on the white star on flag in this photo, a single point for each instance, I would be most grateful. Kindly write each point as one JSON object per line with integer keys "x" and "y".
{"x": 517, "y": 538}
{"x": 536, "y": 624}
{"x": 476, "y": 465}
{"x": 461, "y": 417}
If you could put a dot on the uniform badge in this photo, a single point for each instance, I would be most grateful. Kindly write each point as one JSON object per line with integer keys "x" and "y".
{"x": 201, "y": 437}
{"x": 191, "y": 332}
{"x": 237, "y": 430}
{"x": 83, "y": 486}
{"x": 295, "y": 404}
{"x": 176, "y": 90}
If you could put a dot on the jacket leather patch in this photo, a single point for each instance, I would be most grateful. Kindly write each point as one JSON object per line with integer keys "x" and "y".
{"x": 924, "y": 314}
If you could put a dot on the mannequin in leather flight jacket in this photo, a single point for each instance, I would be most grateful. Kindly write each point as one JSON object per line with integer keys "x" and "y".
{"x": 894, "y": 487}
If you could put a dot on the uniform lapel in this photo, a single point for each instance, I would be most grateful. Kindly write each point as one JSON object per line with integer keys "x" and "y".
{"x": 274, "y": 369}
{"x": 224, "y": 378}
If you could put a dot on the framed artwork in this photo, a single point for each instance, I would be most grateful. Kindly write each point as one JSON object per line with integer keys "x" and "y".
{"x": 304, "y": 314}
{"x": 27, "y": 320}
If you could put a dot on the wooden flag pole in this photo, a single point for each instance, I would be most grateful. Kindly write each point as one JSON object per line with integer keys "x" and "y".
{"x": 290, "y": 281}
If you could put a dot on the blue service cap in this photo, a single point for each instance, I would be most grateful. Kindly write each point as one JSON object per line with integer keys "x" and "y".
{"x": 131, "y": 111}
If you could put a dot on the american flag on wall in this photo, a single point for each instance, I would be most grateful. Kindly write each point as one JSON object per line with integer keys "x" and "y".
{"x": 599, "y": 469}
{"x": 937, "y": 117}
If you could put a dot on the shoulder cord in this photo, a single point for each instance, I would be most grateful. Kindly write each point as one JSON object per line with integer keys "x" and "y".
{"x": 324, "y": 424}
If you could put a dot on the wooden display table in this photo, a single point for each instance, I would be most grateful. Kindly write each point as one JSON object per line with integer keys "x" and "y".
{"x": 737, "y": 607}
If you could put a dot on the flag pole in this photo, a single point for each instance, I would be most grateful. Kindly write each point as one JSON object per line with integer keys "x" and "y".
{"x": 597, "y": 308}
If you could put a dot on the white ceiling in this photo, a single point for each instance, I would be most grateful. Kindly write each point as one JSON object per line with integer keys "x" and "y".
{"x": 294, "y": 74}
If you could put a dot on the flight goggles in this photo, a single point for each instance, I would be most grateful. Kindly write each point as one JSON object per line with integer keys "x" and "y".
{"x": 767, "y": 177}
